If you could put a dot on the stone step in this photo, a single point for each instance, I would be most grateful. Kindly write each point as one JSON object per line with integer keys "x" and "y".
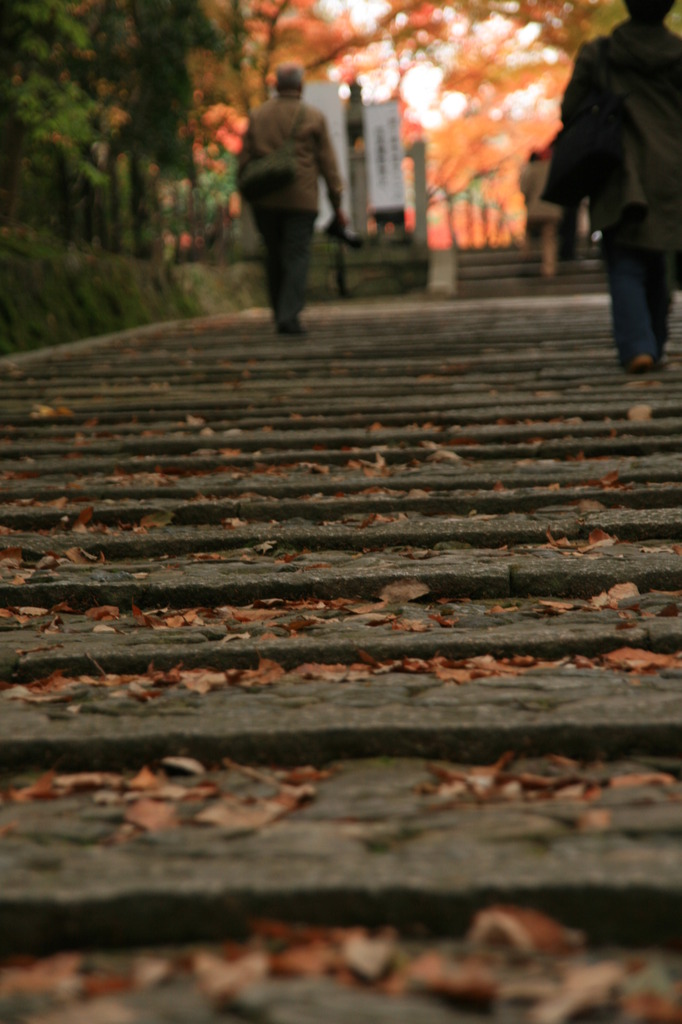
{"x": 431, "y": 532}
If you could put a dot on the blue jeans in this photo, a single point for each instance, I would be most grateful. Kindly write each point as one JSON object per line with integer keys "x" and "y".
{"x": 288, "y": 236}
{"x": 639, "y": 299}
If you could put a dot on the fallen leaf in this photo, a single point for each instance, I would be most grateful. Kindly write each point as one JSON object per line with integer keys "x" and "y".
{"x": 403, "y": 590}
{"x": 12, "y": 556}
{"x": 155, "y": 519}
{"x": 369, "y": 958}
{"x": 144, "y": 780}
{"x": 103, "y": 613}
{"x": 80, "y": 557}
{"x": 622, "y": 591}
{"x": 583, "y": 988}
{"x": 639, "y": 659}
{"x": 54, "y": 974}
{"x": 638, "y": 413}
{"x": 151, "y": 815}
{"x": 183, "y": 765}
{"x": 221, "y": 980}
{"x": 470, "y": 981}
{"x": 311, "y": 959}
{"x": 523, "y": 929}
{"x": 642, "y": 779}
{"x": 80, "y": 525}
{"x": 650, "y": 1008}
{"x": 238, "y": 818}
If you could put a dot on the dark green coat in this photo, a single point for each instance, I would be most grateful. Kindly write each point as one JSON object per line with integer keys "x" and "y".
{"x": 643, "y": 200}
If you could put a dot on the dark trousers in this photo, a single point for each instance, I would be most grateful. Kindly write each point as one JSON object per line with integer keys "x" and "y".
{"x": 287, "y": 236}
{"x": 639, "y": 299}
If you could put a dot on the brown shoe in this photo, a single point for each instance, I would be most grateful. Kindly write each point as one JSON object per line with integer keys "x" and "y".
{"x": 640, "y": 364}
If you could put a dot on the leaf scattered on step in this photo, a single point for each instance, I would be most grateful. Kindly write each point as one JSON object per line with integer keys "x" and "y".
{"x": 523, "y": 929}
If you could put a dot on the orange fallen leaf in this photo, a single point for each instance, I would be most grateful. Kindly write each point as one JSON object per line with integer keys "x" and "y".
{"x": 239, "y": 818}
{"x": 151, "y": 815}
{"x": 642, "y": 779}
{"x": 144, "y": 780}
{"x": 57, "y": 973}
{"x": 84, "y": 517}
{"x": 103, "y": 613}
{"x": 638, "y": 659}
{"x": 369, "y": 958}
{"x": 221, "y": 980}
{"x": 621, "y": 591}
{"x": 583, "y": 988}
{"x": 403, "y": 590}
{"x": 469, "y": 981}
{"x": 524, "y": 929}
{"x": 311, "y": 959}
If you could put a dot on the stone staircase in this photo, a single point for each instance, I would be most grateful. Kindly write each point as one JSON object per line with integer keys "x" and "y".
{"x": 502, "y": 273}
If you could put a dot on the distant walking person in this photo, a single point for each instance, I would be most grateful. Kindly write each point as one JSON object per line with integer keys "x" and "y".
{"x": 542, "y": 218}
{"x": 286, "y": 217}
{"x": 639, "y": 209}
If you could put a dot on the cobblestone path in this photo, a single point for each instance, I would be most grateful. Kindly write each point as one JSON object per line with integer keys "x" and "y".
{"x": 323, "y": 665}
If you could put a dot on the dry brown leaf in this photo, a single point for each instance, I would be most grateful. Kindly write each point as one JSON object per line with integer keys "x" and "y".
{"x": 369, "y": 958}
{"x": 221, "y": 980}
{"x": 638, "y": 413}
{"x": 156, "y": 519}
{"x": 183, "y": 765}
{"x": 651, "y": 1008}
{"x": 144, "y": 780}
{"x": 403, "y": 590}
{"x": 622, "y": 591}
{"x": 268, "y": 672}
{"x": 469, "y": 981}
{"x": 639, "y": 659}
{"x": 149, "y": 971}
{"x": 151, "y": 815}
{"x": 238, "y": 818}
{"x": 642, "y": 779}
{"x": 41, "y": 789}
{"x": 103, "y": 613}
{"x": 201, "y": 680}
{"x": 81, "y": 523}
{"x": 54, "y": 974}
{"x": 79, "y": 782}
{"x": 79, "y": 557}
{"x": 599, "y": 539}
{"x": 584, "y": 988}
{"x": 12, "y": 557}
{"x": 557, "y": 607}
{"x": 311, "y": 959}
{"x": 524, "y": 929}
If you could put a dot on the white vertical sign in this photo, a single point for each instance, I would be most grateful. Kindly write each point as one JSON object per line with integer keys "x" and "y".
{"x": 384, "y": 149}
{"x": 325, "y": 96}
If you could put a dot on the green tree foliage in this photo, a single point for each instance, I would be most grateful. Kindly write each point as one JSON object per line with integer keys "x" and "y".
{"x": 41, "y": 104}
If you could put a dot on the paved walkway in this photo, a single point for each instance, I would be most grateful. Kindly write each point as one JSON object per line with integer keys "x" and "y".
{"x": 377, "y": 630}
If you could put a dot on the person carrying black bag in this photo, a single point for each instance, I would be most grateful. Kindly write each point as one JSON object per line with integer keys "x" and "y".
{"x": 639, "y": 207}
{"x": 285, "y": 217}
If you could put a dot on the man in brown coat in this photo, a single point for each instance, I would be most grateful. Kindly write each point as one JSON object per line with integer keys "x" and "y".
{"x": 639, "y": 208}
{"x": 286, "y": 217}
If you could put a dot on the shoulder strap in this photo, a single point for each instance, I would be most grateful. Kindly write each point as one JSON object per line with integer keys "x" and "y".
{"x": 297, "y": 121}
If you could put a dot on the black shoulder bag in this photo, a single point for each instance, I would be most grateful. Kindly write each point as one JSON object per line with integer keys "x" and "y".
{"x": 590, "y": 145}
{"x": 265, "y": 174}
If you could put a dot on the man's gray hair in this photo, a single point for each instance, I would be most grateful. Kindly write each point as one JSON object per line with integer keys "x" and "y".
{"x": 289, "y": 77}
